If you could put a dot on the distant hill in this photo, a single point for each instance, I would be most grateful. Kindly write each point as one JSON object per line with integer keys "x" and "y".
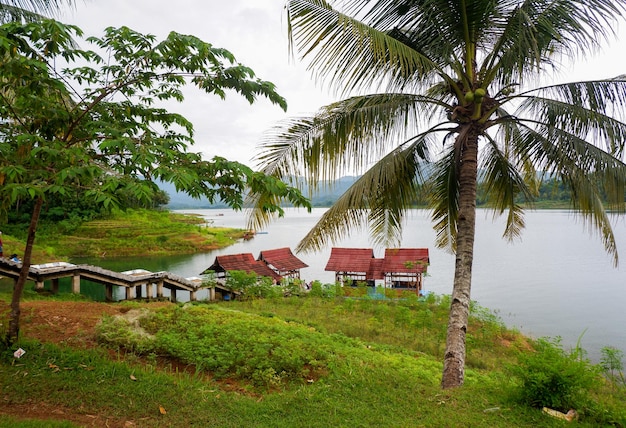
{"x": 323, "y": 198}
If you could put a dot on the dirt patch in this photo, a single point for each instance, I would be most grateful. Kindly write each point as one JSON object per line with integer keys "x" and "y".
{"x": 64, "y": 322}
{"x": 67, "y": 323}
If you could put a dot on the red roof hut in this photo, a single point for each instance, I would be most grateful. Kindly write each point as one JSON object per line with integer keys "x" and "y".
{"x": 282, "y": 262}
{"x": 244, "y": 262}
{"x": 404, "y": 267}
{"x": 351, "y": 265}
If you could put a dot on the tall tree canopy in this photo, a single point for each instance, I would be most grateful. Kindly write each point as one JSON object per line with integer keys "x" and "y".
{"x": 71, "y": 118}
{"x": 454, "y": 94}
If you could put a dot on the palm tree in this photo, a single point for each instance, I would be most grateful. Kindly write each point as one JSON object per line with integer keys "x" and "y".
{"x": 30, "y": 10}
{"x": 453, "y": 103}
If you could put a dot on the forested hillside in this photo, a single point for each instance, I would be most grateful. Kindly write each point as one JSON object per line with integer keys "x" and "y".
{"x": 552, "y": 193}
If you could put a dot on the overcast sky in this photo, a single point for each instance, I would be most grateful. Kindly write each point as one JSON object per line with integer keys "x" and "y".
{"x": 255, "y": 32}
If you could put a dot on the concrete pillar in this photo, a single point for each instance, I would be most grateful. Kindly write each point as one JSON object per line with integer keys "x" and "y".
{"x": 129, "y": 293}
{"x": 76, "y": 284}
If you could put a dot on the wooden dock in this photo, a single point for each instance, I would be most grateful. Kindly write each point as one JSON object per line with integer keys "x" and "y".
{"x": 133, "y": 280}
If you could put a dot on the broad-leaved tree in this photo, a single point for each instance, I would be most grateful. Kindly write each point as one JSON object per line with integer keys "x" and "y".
{"x": 94, "y": 120}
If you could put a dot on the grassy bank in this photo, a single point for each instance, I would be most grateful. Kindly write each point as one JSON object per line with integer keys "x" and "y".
{"x": 129, "y": 233}
{"x": 285, "y": 362}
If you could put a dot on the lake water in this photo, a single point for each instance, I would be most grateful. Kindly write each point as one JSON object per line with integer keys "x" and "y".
{"x": 557, "y": 280}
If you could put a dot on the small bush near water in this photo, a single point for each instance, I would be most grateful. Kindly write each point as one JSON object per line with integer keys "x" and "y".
{"x": 564, "y": 380}
{"x": 551, "y": 377}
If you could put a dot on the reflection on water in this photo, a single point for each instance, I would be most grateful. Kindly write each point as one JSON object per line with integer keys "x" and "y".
{"x": 556, "y": 281}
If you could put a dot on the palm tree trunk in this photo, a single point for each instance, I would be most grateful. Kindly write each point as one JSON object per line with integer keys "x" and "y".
{"x": 14, "y": 316}
{"x": 454, "y": 357}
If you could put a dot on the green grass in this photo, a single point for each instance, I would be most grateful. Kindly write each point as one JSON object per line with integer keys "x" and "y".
{"x": 295, "y": 362}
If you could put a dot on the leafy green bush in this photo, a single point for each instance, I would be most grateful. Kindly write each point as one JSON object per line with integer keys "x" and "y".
{"x": 554, "y": 378}
{"x": 325, "y": 290}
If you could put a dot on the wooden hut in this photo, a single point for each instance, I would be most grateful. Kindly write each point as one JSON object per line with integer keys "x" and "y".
{"x": 243, "y": 262}
{"x": 351, "y": 265}
{"x": 404, "y": 267}
{"x": 283, "y": 262}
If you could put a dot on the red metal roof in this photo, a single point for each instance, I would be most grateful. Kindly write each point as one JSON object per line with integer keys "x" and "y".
{"x": 350, "y": 260}
{"x": 405, "y": 260}
{"x": 361, "y": 260}
{"x": 244, "y": 262}
{"x": 282, "y": 259}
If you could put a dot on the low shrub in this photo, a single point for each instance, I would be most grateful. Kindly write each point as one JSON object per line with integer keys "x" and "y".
{"x": 551, "y": 377}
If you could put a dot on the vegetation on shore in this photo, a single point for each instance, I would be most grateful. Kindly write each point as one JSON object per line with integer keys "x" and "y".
{"x": 316, "y": 360}
{"x": 137, "y": 232}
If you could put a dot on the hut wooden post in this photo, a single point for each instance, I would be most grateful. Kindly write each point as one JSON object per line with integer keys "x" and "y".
{"x": 173, "y": 295}
{"x": 129, "y": 293}
{"x": 212, "y": 293}
{"x": 192, "y": 296}
{"x": 159, "y": 290}
{"x": 38, "y": 285}
{"x": 149, "y": 291}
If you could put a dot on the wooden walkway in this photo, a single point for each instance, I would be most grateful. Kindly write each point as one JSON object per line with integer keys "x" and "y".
{"x": 133, "y": 280}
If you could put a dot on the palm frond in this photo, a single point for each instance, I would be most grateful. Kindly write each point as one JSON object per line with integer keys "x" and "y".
{"x": 445, "y": 201}
{"x": 533, "y": 35}
{"x": 592, "y": 110}
{"x": 591, "y": 174}
{"x": 31, "y": 10}
{"x": 503, "y": 185}
{"x": 345, "y": 136}
{"x": 348, "y": 54}
{"x": 378, "y": 199}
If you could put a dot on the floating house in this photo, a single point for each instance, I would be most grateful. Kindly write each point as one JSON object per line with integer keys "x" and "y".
{"x": 283, "y": 262}
{"x": 401, "y": 268}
